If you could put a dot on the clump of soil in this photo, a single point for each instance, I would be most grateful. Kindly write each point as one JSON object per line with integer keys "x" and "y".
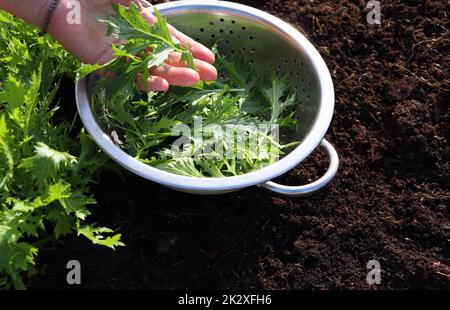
{"x": 390, "y": 201}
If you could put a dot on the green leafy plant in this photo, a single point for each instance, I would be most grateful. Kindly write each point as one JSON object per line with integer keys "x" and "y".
{"x": 239, "y": 114}
{"x": 153, "y": 44}
{"x": 44, "y": 186}
{"x": 46, "y": 169}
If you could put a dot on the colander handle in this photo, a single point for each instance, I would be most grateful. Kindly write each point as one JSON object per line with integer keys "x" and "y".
{"x": 304, "y": 190}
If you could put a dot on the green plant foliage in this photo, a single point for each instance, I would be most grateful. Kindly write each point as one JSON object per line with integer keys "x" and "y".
{"x": 45, "y": 174}
{"x": 127, "y": 25}
{"x": 238, "y": 115}
{"x": 44, "y": 186}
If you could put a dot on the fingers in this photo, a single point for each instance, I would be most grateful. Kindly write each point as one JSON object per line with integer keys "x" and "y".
{"x": 198, "y": 50}
{"x": 149, "y": 17}
{"x": 176, "y": 75}
{"x": 206, "y": 71}
{"x": 175, "y": 72}
{"x": 155, "y": 83}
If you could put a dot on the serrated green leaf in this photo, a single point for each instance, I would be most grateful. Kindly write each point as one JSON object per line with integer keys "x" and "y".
{"x": 129, "y": 25}
{"x": 161, "y": 26}
{"x": 47, "y": 162}
{"x": 187, "y": 57}
{"x": 6, "y": 18}
{"x": 133, "y": 16}
{"x": 64, "y": 223}
{"x": 22, "y": 206}
{"x": 76, "y": 204}
{"x": 37, "y": 183}
{"x": 58, "y": 192}
{"x": 6, "y": 157}
{"x": 97, "y": 236}
{"x": 3, "y": 128}
{"x": 182, "y": 166}
{"x": 159, "y": 56}
{"x": 87, "y": 69}
{"x": 8, "y": 235}
{"x": 23, "y": 255}
{"x": 13, "y": 93}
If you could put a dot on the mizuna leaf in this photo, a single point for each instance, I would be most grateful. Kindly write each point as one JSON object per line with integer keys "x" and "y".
{"x": 187, "y": 57}
{"x": 161, "y": 26}
{"x": 3, "y": 128}
{"x": 87, "y": 69}
{"x": 158, "y": 56}
{"x": 23, "y": 255}
{"x": 47, "y": 162}
{"x": 97, "y": 236}
{"x": 13, "y": 93}
{"x": 182, "y": 166}
{"x": 37, "y": 183}
{"x": 31, "y": 98}
{"x": 64, "y": 223}
{"x": 76, "y": 204}
{"x": 6, "y": 158}
{"x": 136, "y": 37}
{"x": 58, "y": 192}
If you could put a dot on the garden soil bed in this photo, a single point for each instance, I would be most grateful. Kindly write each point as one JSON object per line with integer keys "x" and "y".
{"x": 389, "y": 202}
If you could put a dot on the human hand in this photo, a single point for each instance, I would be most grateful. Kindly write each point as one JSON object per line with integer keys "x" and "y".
{"x": 88, "y": 42}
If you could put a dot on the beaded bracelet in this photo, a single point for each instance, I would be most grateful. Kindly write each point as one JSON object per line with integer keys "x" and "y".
{"x": 48, "y": 18}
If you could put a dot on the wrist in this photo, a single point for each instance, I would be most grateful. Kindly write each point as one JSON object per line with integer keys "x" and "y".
{"x": 58, "y": 22}
{"x": 31, "y": 11}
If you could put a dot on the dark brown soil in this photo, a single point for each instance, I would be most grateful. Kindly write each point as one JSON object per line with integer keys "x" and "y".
{"x": 390, "y": 201}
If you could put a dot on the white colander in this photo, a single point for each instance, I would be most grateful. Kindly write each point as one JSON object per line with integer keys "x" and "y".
{"x": 270, "y": 43}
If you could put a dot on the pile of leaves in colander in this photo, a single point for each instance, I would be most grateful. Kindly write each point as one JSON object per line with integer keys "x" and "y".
{"x": 213, "y": 129}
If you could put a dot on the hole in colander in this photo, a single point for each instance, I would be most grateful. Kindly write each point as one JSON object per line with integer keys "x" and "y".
{"x": 294, "y": 60}
{"x": 297, "y": 74}
{"x": 243, "y": 28}
{"x": 252, "y": 37}
{"x": 231, "y": 31}
{"x": 222, "y": 20}
{"x": 251, "y": 62}
{"x": 244, "y": 49}
{"x": 213, "y": 36}
{"x": 202, "y": 30}
{"x": 222, "y": 31}
{"x": 211, "y": 23}
{"x": 286, "y": 61}
{"x": 227, "y": 41}
{"x": 233, "y": 22}
{"x": 252, "y": 50}
{"x": 279, "y": 68}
